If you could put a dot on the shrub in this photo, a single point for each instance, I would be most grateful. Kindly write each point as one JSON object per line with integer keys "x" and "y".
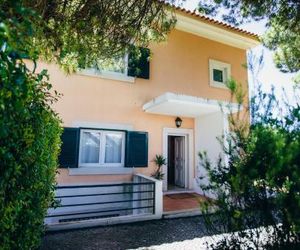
{"x": 29, "y": 141}
{"x": 258, "y": 188}
{"x": 159, "y": 162}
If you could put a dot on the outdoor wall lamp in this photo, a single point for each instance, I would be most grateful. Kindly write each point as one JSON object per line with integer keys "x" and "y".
{"x": 178, "y": 122}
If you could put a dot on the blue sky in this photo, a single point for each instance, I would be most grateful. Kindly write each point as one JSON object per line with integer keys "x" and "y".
{"x": 269, "y": 74}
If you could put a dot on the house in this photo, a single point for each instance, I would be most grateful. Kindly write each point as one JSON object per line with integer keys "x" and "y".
{"x": 116, "y": 123}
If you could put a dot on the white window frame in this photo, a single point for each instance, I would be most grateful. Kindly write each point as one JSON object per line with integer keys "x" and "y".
{"x": 224, "y": 67}
{"x": 106, "y": 74}
{"x": 103, "y": 134}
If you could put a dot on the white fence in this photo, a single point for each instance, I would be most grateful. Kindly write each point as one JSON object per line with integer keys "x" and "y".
{"x": 102, "y": 204}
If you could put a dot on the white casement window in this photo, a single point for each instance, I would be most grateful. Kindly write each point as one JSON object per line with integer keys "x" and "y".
{"x": 101, "y": 148}
{"x": 115, "y": 69}
{"x": 117, "y": 65}
{"x": 219, "y": 73}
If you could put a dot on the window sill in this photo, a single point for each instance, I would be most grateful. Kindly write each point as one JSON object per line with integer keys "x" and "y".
{"x": 116, "y": 77}
{"x": 218, "y": 85}
{"x": 100, "y": 170}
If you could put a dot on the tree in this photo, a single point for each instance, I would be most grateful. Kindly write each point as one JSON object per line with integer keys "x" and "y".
{"x": 73, "y": 34}
{"x": 257, "y": 190}
{"x": 77, "y": 33}
{"x": 29, "y": 139}
{"x": 282, "y": 20}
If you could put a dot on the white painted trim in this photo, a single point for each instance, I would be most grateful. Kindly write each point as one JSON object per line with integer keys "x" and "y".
{"x": 100, "y": 222}
{"x": 226, "y": 70}
{"x": 101, "y": 162}
{"x": 147, "y": 177}
{"x": 79, "y": 183}
{"x": 100, "y": 170}
{"x": 171, "y": 97}
{"x": 158, "y": 194}
{"x": 118, "y": 76}
{"x": 107, "y": 75}
{"x": 226, "y": 132}
{"x": 181, "y": 191}
{"x": 179, "y": 100}
{"x": 107, "y": 169}
{"x": 100, "y": 125}
{"x": 212, "y": 32}
{"x": 182, "y": 213}
{"x": 189, "y": 148}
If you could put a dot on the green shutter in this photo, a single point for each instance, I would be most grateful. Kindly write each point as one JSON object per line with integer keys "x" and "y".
{"x": 68, "y": 157}
{"x": 19, "y": 55}
{"x": 138, "y": 63}
{"x": 136, "y": 149}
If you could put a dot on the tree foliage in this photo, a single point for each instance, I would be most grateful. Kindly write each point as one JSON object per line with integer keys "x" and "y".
{"x": 258, "y": 188}
{"x": 73, "y": 34}
{"x": 29, "y": 136}
{"x": 77, "y": 33}
{"x": 282, "y": 21}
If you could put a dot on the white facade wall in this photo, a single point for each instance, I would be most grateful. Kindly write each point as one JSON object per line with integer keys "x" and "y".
{"x": 208, "y": 128}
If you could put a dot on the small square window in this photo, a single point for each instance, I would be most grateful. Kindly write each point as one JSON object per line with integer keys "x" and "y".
{"x": 219, "y": 73}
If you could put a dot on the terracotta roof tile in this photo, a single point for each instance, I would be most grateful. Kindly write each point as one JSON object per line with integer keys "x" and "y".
{"x": 213, "y": 21}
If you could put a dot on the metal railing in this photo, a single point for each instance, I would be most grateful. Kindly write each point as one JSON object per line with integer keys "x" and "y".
{"x": 84, "y": 202}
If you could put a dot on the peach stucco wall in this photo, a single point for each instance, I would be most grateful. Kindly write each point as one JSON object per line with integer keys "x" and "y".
{"x": 179, "y": 65}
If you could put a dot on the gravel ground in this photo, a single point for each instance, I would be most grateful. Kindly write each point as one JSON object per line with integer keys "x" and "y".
{"x": 143, "y": 235}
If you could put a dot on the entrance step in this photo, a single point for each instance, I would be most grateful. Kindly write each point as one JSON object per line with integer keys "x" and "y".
{"x": 181, "y": 213}
{"x": 179, "y": 191}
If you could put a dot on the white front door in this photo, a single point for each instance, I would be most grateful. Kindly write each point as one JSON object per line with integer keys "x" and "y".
{"x": 179, "y": 155}
{"x": 185, "y": 152}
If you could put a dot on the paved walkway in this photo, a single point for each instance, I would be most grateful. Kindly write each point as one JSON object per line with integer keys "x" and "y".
{"x": 164, "y": 234}
{"x": 182, "y": 201}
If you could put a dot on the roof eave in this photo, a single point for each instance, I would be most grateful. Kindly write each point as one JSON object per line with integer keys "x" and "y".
{"x": 215, "y": 32}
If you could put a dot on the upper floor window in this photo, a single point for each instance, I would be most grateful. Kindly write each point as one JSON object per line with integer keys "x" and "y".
{"x": 116, "y": 65}
{"x": 124, "y": 68}
{"x": 114, "y": 68}
{"x": 101, "y": 148}
{"x": 219, "y": 73}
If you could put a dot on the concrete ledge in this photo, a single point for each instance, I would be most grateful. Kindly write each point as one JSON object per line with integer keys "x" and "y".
{"x": 99, "y": 222}
{"x": 179, "y": 191}
{"x": 181, "y": 213}
{"x": 186, "y": 213}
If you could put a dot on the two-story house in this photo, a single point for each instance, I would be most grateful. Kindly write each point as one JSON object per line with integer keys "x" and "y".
{"x": 116, "y": 123}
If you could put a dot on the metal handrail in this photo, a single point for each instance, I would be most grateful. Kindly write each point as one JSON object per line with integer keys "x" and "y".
{"x": 85, "y": 195}
{"x": 105, "y": 185}
{"x": 102, "y": 203}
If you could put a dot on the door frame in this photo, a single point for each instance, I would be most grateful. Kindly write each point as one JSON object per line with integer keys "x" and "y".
{"x": 189, "y": 154}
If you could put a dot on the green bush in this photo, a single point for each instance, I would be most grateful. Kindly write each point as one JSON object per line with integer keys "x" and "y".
{"x": 259, "y": 187}
{"x": 29, "y": 140}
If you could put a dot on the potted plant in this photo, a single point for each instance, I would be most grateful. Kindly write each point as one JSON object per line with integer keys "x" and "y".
{"x": 159, "y": 161}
